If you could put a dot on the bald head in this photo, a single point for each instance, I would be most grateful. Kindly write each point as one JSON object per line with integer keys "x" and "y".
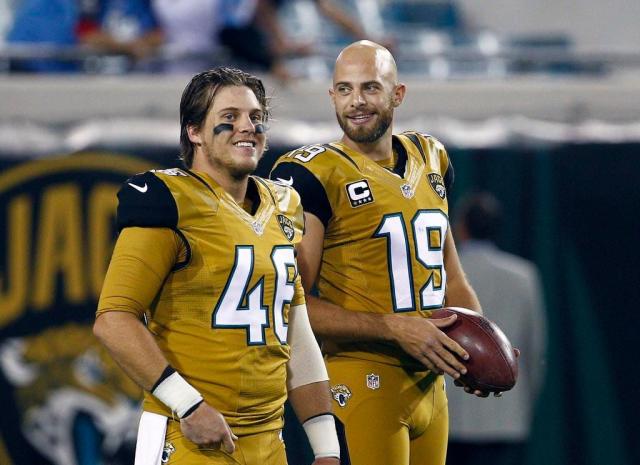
{"x": 365, "y": 93}
{"x": 369, "y": 57}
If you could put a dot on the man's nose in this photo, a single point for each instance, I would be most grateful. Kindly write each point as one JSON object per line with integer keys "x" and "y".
{"x": 358, "y": 99}
{"x": 246, "y": 124}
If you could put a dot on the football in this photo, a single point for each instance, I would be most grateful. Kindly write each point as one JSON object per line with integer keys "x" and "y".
{"x": 492, "y": 364}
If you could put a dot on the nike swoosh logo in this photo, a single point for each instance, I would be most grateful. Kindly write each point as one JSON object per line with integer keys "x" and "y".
{"x": 142, "y": 189}
{"x": 286, "y": 182}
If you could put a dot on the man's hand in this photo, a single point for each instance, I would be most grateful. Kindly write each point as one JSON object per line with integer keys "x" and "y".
{"x": 423, "y": 340}
{"x": 326, "y": 461}
{"x": 482, "y": 393}
{"x": 476, "y": 392}
{"x": 207, "y": 427}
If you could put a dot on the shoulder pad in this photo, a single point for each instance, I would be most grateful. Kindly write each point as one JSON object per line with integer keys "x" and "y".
{"x": 145, "y": 200}
{"x": 313, "y": 157}
{"x": 439, "y": 146}
{"x": 307, "y": 184}
{"x": 306, "y": 153}
{"x": 287, "y": 198}
{"x": 287, "y": 203}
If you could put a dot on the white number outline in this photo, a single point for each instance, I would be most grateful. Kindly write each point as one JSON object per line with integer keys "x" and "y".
{"x": 230, "y": 306}
{"x": 310, "y": 150}
{"x": 396, "y": 236}
{"x": 289, "y": 289}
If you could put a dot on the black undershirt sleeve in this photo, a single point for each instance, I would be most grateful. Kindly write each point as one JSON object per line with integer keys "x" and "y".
{"x": 449, "y": 177}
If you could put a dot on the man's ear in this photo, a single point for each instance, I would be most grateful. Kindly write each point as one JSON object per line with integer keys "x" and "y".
{"x": 332, "y": 94}
{"x": 193, "y": 132}
{"x": 398, "y": 94}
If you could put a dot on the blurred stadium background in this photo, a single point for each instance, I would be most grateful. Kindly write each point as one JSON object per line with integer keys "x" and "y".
{"x": 537, "y": 102}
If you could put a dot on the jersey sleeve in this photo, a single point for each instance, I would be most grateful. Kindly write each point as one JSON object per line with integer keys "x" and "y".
{"x": 145, "y": 201}
{"x": 312, "y": 193}
{"x": 141, "y": 260}
{"x": 446, "y": 167}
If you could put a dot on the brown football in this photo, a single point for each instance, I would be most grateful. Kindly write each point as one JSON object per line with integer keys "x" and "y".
{"x": 492, "y": 364}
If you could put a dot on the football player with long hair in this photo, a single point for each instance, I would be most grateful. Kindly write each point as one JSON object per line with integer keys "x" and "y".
{"x": 205, "y": 255}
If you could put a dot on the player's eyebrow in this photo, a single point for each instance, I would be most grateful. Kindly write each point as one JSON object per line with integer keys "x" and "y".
{"x": 350, "y": 84}
{"x": 236, "y": 110}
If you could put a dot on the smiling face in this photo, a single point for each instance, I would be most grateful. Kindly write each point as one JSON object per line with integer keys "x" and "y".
{"x": 365, "y": 91}
{"x": 232, "y": 153}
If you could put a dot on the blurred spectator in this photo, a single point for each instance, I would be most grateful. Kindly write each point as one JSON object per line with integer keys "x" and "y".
{"x": 124, "y": 27}
{"x": 195, "y": 30}
{"x": 6, "y": 16}
{"x": 191, "y": 29}
{"x": 495, "y": 430}
{"x": 281, "y": 45}
{"x": 44, "y": 23}
{"x": 250, "y": 30}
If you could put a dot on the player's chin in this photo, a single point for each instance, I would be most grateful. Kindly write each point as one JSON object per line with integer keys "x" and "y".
{"x": 245, "y": 168}
{"x": 362, "y": 134}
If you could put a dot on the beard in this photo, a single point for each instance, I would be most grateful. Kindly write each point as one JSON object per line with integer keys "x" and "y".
{"x": 365, "y": 135}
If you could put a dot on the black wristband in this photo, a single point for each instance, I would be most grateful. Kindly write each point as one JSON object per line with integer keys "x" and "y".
{"x": 165, "y": 374}
{"x": 191, "y": 410}
{"x": 319, "y": 415}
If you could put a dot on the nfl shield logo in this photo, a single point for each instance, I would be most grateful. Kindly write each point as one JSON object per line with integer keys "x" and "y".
{"x": 257, "y": 228}
{"x": 407, "y": 191}
{"x": 373, "y": 381}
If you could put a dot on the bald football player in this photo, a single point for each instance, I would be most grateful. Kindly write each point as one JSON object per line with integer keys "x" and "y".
{"x": 206, "y": 254}
{"x": 379, "y": 249}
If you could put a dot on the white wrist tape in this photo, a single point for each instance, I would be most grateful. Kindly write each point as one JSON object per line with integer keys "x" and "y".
{"x": 321, "y": 432}
{"x": 177, "y": 394}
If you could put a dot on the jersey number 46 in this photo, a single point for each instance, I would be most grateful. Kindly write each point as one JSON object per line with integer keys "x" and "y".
{"x": 240, "y": 307}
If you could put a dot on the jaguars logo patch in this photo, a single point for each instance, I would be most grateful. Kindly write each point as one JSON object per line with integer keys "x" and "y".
{"x": 287, "y": 227}
{"x": 341, "y": 393}
{"x": 437, "y": 184}
{"x": 167, "y": 452}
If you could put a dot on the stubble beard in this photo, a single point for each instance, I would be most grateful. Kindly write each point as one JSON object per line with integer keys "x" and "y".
{"x": 363, "y": 135}
{"x": 236, "y": 171}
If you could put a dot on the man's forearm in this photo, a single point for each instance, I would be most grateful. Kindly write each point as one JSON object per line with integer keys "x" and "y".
{"x": 329, "y": 321}
{"x": 310, "y": 400}
{"x": 461, "y": 294}
{"x": 132, "y": 346}
{"x": 312, "y": 405}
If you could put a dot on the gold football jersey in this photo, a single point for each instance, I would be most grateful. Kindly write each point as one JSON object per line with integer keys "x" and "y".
{"x": 384, "y": 228}
{"x": 220, "y": 317}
